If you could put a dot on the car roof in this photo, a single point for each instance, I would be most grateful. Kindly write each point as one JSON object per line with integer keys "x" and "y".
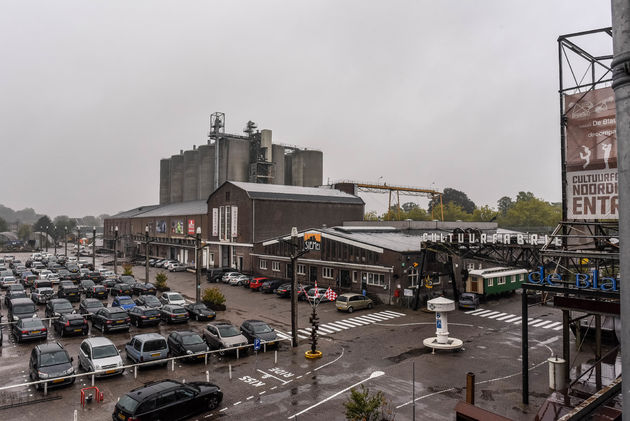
{"x": 21, "y": 301}
{"x": 148, "y": 336}
{"x": 98, "y": 341}
{"x": 58, "y": 300}
{"x": 49, "y": 347}
{"x": 142, "y": 392}
{"x": 350, "y": 294}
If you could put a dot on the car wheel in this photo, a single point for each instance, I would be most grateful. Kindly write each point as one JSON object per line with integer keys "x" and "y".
{"x": 350, "y": 309}
{"x": 213, "y": 402}
{"x": 370, "y": 306}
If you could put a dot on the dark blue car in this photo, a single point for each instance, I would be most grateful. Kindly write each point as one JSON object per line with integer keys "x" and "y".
{"x": 123, "y": 301}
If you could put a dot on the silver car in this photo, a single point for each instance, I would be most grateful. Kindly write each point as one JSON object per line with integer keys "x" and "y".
{"x": 220, "y": 335}
{"x": 101, "y": 355}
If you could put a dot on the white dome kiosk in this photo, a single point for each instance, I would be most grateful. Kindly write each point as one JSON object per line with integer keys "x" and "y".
{"x": 441, "y": 306}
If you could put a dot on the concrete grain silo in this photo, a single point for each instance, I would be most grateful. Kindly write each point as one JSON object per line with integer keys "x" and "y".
{"x": 278, "y": 162}
{"x": 206, "y": 171}
{"x": 288, "y": 169}
{"x": 177, "y": 178}
{"x": 165, "y": 181}
{"x": 236, "y": 158}
{"x": 312, "y": 168}
{"x": 191, "y": 175}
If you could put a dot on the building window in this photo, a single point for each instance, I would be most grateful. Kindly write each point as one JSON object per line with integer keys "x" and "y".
{"x": 327, "y": 273}
{"x": 501, "y": 280}
{"x": 412, "y": 277}
{"x": 275, "y": 266}
{"x": 355, "y": 276}
{"x": 212, "y": 259}
{"x": 377, "y": 279}
{"x": 227, "y": 196}
{"x": 301, "y": 269}
{"x": 262, "y": 264}
{"x": 490, "y": 282}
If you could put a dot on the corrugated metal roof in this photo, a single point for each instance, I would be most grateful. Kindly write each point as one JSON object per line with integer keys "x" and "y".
{"x": 296, "y": 193}
{"x": 193, "y": 207}
{"x": 133, "y": 212}
{"x": 396, "y": 241}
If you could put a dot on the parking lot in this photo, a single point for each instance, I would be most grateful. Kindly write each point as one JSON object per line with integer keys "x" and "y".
{"x": 286, "y": 385}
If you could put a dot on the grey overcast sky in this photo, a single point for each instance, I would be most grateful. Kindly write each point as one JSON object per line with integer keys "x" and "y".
{"x": 462, "y": 94}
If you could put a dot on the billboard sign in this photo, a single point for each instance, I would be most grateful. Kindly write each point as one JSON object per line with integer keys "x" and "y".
{"x": 215, "y": 222}
{"x": 591, "y": 155}
{"x": 191, "y": 226}
{"x": 234, "y": 226}
{"x": 312, "y": 241}
{"x": 177, "y": 227}
{"x": 160, "y": 227}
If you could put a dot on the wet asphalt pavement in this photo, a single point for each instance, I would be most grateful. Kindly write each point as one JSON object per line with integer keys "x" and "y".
{"x": 386, "y": 339}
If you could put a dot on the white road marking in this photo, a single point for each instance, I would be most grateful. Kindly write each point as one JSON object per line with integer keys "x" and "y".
{"x": 345, "y": 323}
{"x": 496, "y": 315}
{"x": 509, "y": 316}
{"x": 375, "y": 319}
{"x": 249, "y": 397}
{"x": 531, "y": 322}
{"x": 326, "y": 326}
{"x": 356, "y": 320}
{"x": 543, "y": 323}
{"x": 262, "y": 393}
{"x": 483, "y": 312}
{"x": 489, "y": 314}
{"x": 224, "y": 409}
{"x": 338, "y": 325}
{"x": 236, "y": 403}
{"x": 333, "y": 361}
{"x": 361, "y": 318}
{"x": 552, "y": 325}
{"x": 558, "y": 328}
{"x": 479, "y": 310}
{"x": 395, "y": 313}
{"x": 512, "y": 319}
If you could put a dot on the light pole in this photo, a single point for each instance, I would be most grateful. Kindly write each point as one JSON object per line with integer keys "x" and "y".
{"x": 55, "y": 239}
{"x": 146, "y": 252}
{"x": 197, "y": 266}
{"x": 116, "y": 250}
{"x": 65, "y": 239}
{"x": 93, "y": 248}
{"x": 78, "y": 244}
{"x": 46, "y": 238}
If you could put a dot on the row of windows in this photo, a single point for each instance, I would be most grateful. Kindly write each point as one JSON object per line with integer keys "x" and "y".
{"x": 501, "y": 280}
{"x": 330, "y": 250}
{"x": 371, "y": 278}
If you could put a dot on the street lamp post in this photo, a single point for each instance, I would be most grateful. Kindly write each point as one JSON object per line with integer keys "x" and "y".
{"x": 197, "y": 266}
{"x": 78, "y": 244}
{"x": 93, "y": 248}
{"x": 146, "y": 252}
{"x": 55, "y": 239}
{"x": 46, "y": 238}
{"x": 65, "y": 239}
{"x": 294, "y": 291}
{"x": 116, "y": 250}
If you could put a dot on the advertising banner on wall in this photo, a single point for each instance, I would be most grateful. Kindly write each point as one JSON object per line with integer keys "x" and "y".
{"x": 191, "y": 226}
{"x": 591, "y": 155}
{"x": 234, "y": 225}
{"x": 160, "y": 227}
{"x": 177, "y": 227}
{"x": 215, "y": 222}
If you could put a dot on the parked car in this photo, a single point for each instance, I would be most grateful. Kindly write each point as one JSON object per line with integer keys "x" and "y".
{"x": 42, "y": 295}
{"x": 199, "y": 311}
{"x": 5, "y": 281}
{"x": 269, "y": 286}
{"x": 155, "y": 401}
{"x": 97, "y": 291}
{"x": 58, "y": 306}
{"x": 89, "y": 306}
{"x": 142, "y": 316}
{"x": 283, "y": 290}
{"x": 101, "y": 355}
{"x": 121, "y": 289}
{"x": 64, "y": 274}
{"x": 228, "y": 276}
{"x": 172, "y": 313}
{"x": 142, "y": 288}
{"x": 172, "y": 298}
{"x": 85, "y": 285}
{"x": 316, "y": 295}
{"x": 109, "y": 283}
{"x": 303, "y": 291}
{"x": 351, "y": 301}
{"x": 240, "y": 280}
{"x": 28, "y": 280}
{"x": 94, "y": 276}
{"x": 468, "y": 300}
{"x": 29, "y": 329}
{"x": 256, "y": 283}
{"x": 215, "y": 274}
{"x": 41, "y": 283}
{"x": 186, "y": 343}
{"x": 257, "y": 329}
{"x": 147, "y": 347}
{"x": 51, "y": 361}
{"x": 178, "y": 267}
{"x": 126, "y": 279}
{"x": 71, "y": 324}
{"x": 123, "y": 301}
{"x": 111, "y": 318}
{"x": 220, "y": 335}
{"x": 14, "y": 293}
{"x": 149, "y": 301}
{"x": 21, "y": 308}
{"x": 68, "y": 290}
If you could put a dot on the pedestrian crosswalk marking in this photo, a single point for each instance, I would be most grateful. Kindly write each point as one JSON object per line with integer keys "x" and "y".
{"x": 515, "y": 319}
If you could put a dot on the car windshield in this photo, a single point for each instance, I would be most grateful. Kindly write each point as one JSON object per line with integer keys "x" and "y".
{"x": 342, "y": 298}
{"x": 125, "y": 301}
{"x": 63, "y": 305}
{"x": 175, "y": 297}
{"x": 151, "y": 299}
{"x": 118, "y": 312}
{"x": 151, "y": 313}
{"x": 261, "y": 328}
{"x": 192, "y": 340}
{"x": 88, "y": 283}
{"x": 178, "y": 310}
{"x": 200, "y": 307}
{"x": 93, "y": 304}
{"x": 228, "y": 330}
{"x": 104, "y": 352}
{"x": 127, "y": 404}
{"x": 32, "y": 324}
{"x": 54, "y": 358}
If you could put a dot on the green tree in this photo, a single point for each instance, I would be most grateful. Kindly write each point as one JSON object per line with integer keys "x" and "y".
{"x": 454, "y": 212}
{"x": 409, "y": 206}
{"x": 3, "y": 225}
{"x": 24, "y": 231}
{"x": 43, "y": 224}
{"x": 370, "y": 216}
{"x": 457, "y": 197}
{"x": 361, "y": 406}
{"x": 484, "y": 214}
{"x": 524, "y": 196}
{"x": 504, "y": 204}
{"x": 64, "y": 224}
{"x": 531, "y": 212}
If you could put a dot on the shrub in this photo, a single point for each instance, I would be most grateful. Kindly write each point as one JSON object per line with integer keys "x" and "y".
{"x": 160, "y": 280}
{"x": 213, "y": 296}
{"x": 127, "y": 269}
{"x": 363, "y": 407}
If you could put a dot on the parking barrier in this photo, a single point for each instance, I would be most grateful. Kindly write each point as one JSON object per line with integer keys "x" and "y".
{"x": 207, "y": 376}
{"x": 230, "y": 371}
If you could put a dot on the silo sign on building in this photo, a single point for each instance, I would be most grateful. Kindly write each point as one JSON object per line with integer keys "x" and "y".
{"x": 591, "y": 155}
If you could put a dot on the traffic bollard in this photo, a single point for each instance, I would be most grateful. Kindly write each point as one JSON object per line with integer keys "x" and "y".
{"x": 76, "y": 415}
{"x": 207, "y": 376}
{"x": 264, "y": 347}
{"x": 237, "y": 353}
{"x": 275, "y": 357}
{"x": 206, "y": 358}
{"x": 230, "y": 371}
{"x": 172, "y": 365}
{"x": 46, "y": 389}
{"x": 92, "y": 380}
{"x": 135, "y": 371}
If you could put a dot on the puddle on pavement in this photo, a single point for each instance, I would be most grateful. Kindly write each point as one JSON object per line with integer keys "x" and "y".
{"x": 409, "y": 354}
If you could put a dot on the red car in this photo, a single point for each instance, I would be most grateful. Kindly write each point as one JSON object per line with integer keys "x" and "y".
{"x": 256, "y": 283}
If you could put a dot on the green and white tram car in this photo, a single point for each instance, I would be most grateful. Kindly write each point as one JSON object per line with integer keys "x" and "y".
{"x": 495, "y": 281}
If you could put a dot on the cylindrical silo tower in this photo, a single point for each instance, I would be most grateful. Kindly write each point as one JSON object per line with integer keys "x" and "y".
{"x": 177, "y": 178}
{"x": 236, "y": 158}
{"x": 165, "y": 181}
{"x": 206, "y": 171}
{"x": 191, "y": 175}
{"x": 312, "y": 168}
{"x": 278, "y": 164}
